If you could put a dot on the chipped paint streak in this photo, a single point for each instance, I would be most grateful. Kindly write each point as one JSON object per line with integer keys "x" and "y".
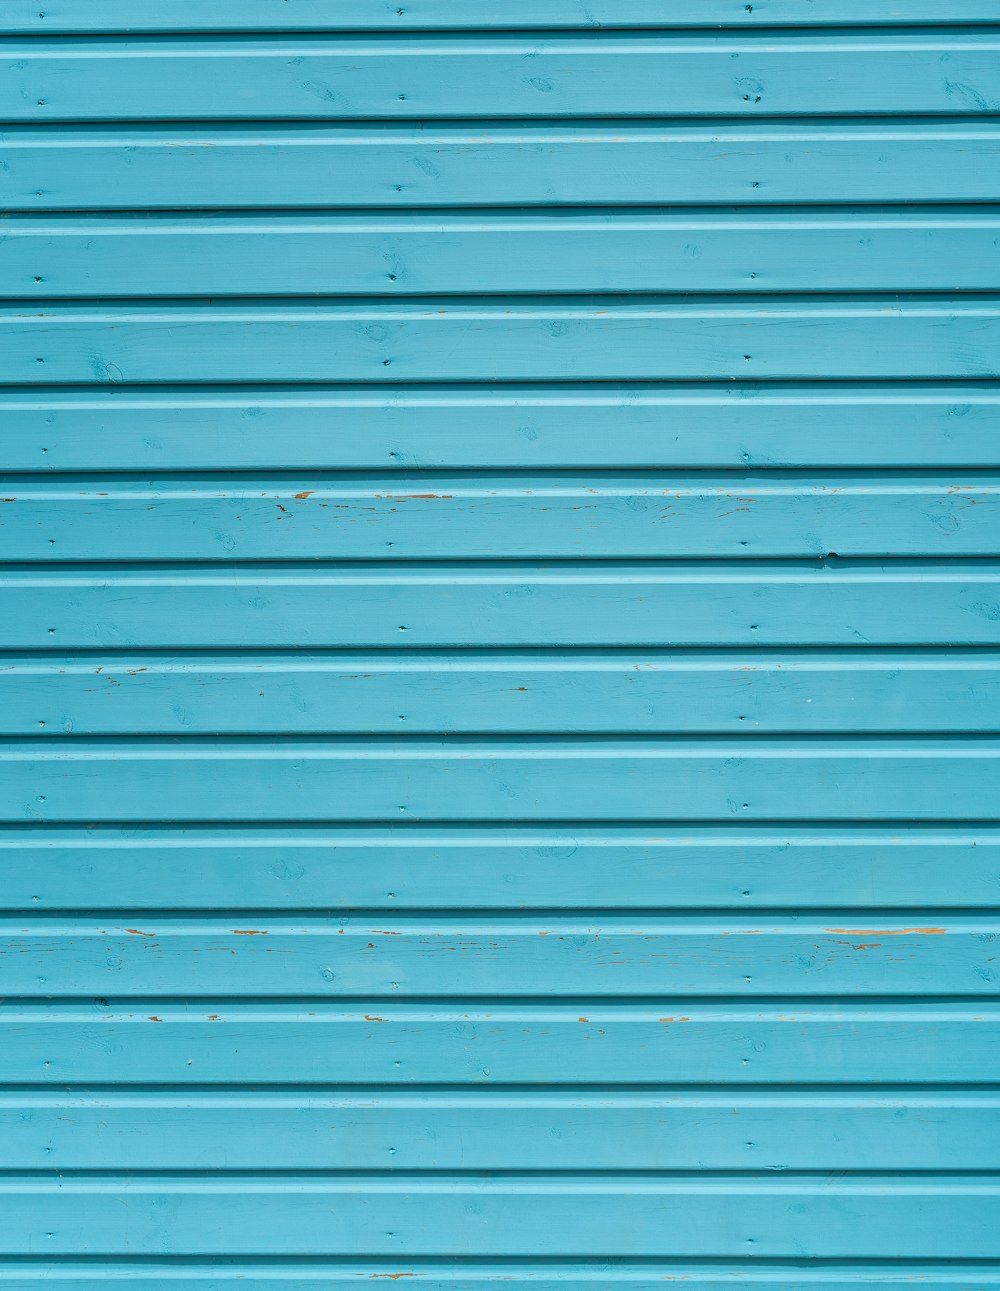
{"x": 250, "y": 932}
{"x": 887, "y": 932}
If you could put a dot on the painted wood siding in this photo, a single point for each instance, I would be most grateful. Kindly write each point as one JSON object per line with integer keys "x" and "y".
{"x": 500, "y": 671}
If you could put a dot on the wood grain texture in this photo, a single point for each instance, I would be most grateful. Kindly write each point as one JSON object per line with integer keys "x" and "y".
{"x": 655, "y": 692}
{"x": 446, "y": 164}
{"x": 251, "y": 1274}
{"x": 501, "y": 75}
{"x": 383, "y": 1042}
{"x": 608, "y": 338}
{"x": 499, "y": 644}
{"x": 649, "y": 251}
{"x": 467, "y": 779}
{"x": 503, "y": 517}
{"x": 582, "y": 866}
{"x": 503, "y": 957}
{"x": 396, "y": 429}
{"x": 482, "y": 1129}
{"x": 114, "y": 16}
{"x": 348, "y": 1215}
{"x": 700, "y": 603}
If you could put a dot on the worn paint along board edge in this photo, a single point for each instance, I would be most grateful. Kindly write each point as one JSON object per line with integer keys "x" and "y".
{"x": 534, "y": 693}
{"x": 502, "y": 957}
{"x": 159, "y": 1041}
{"x": 501, "y": 517}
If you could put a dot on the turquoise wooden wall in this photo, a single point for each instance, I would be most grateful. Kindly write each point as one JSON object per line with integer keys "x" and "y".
{"x": 500, "y": 675}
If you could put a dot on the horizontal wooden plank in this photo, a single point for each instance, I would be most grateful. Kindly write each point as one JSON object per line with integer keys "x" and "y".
{"x": 777, "y": 250}
{"x": 152, "y": 1274}
{"x": 513, "y": 76}
{"x": 678, "y": 1042}
{"x": 654, "y": 692}
{"x": 443, "y": 164}
{"x": 518, "y": 1215}
{"x": 577, "y": 867}
{"x": 733, "y": 425}
{"x": 464, "y": 779}
{"x": 480, "y": 1130}
{"x": 824, "y": 603}
{"x": 501, "y": 957}
{"x": 159, "y": 1002}
{"x": 590, "y": 338}
{"x": 22, "y": 16}
{"x": 510, "y": 517}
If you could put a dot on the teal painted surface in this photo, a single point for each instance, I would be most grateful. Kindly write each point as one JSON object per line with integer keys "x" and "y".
{"x": 502, "y": 75}
{"x": 500, "y": 648}
{"x": 122, "y": 16}
{"x": 822, "y": 249}
{"x": 626, "y": 426}
{"x": 390, "y": 165}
